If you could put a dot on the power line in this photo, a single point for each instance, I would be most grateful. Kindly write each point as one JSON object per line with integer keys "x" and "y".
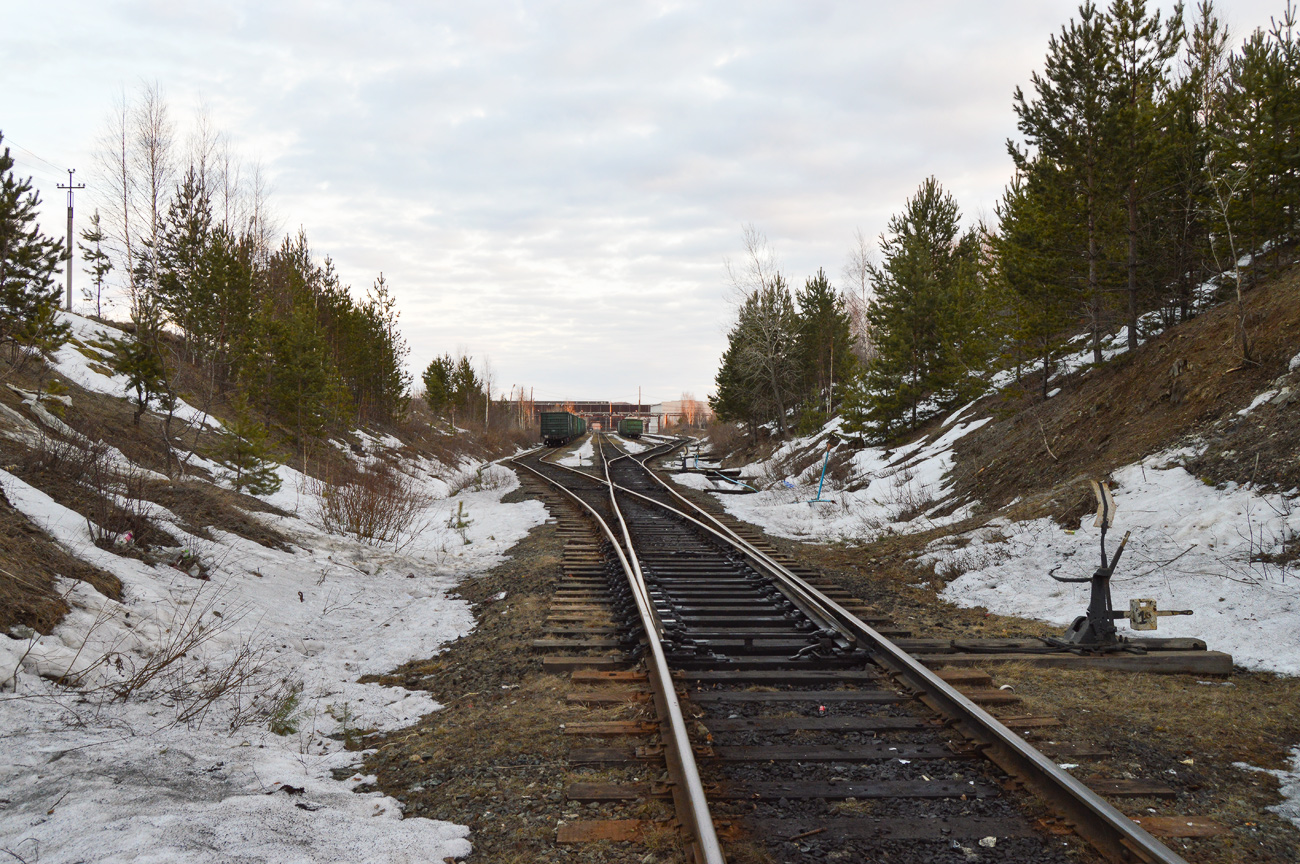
{"x": 37, "y": 171}
{"x": 58, "y": 168}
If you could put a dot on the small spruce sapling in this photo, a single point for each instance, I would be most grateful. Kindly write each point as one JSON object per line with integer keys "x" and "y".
{"x": 459, "y": 523}
{"x": 244, "y": 453}
{"x": 98, "y": 263}
{"x": 146, "y": 374}
{"x": 29, "y": 297}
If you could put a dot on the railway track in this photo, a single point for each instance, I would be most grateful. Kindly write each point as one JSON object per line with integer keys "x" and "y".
{"x": 789, "y": 723}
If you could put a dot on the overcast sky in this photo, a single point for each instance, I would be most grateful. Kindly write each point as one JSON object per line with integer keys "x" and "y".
{"x": 555, "y": 186}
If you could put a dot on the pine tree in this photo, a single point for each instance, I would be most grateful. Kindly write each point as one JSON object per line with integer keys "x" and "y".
{"x": 1142, "y": 49}
{"x": 141, "y": 362}
{"x": 914, "y": 314}
{"x": 466, "y": 390}
{"x": 739, "y": 397}
{"x": 98, "y": 262}
{"x": 1178, "y": 229}
{"x": 1070, "y": 126}
{"x": 29, "y": 295}
{"x": 437, "y": 382}
{"x": 1036, "y": 271}
{"x": 184, "y": 295}
{"x": 768, "y": 350}
{"x": 385, "y": 354}
{"x": 231, "y": 282}
{"x": 825, "y": 347}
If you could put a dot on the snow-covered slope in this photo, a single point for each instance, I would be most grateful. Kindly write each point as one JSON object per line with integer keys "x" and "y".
{"x": 1216, "y": 550}
{"x": 89, "y": 773}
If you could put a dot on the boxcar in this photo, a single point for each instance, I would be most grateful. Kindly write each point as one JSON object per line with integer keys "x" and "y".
{"x": 561, "y": 427}
{"x": 630, "y": 427}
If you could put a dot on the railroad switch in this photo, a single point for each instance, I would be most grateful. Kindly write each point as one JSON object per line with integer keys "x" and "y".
{"x": 1095, "y": 630}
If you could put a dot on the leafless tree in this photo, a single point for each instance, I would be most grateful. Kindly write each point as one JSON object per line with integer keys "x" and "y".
{"x": 154, "y": 166}
{"x": 857, "y": 275}
{"x": 758, "y": 269}
{"x": 136, "y": 168}
{"x": 259, "y": 222}
{"x": 1226, "y": 189}
{"x": 766, "y": 323}
{"x": 204, "y": 145}
{"x": 115, "y": 184}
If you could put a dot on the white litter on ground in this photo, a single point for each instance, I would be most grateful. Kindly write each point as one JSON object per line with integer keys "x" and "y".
{"x": 158, "y": 777}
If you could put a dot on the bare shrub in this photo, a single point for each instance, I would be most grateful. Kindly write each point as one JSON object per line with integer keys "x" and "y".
{"x": 198, "y": 625}
{"x": 909, "y": 498}
{"x": 239, "y": 679}
{"x": 178, "y": 664}
{"x": 484, "y": 476}
{"x": 377, "y": 505}
{"x": 58, "y": 455}
{"x": 117, "y": 503}
{"x": 725, "y": 438}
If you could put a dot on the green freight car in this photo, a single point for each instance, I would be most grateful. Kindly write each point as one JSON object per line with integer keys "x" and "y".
{"x": 631, "y": 427}
{"x": 561, "y": 427}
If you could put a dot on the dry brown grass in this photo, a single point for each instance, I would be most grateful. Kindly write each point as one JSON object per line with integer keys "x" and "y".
{"x": 30, "y": 563}
{"x": 1188, "y": 734}
{"x": 1133, "y": 406}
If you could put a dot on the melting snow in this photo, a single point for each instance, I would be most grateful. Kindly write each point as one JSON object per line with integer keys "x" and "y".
{"x": 89, "y": 778}
{"x": 582, "y": 456}
{"x": 1289, "y": 782}
{"x": 1193, "y": 547}
{"x": 903, "y": 485}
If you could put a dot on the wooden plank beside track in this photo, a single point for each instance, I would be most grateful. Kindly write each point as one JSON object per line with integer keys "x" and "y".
{"x": 568, "y": 664}
{"x": 870, "y": 828}
{"x": 1180, "y": 826}
{"x": 1158, "y": 662}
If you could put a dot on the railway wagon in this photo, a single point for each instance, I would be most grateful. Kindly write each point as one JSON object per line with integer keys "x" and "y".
{"x": 561, "y": 427}
{"x": 631, "y": 427}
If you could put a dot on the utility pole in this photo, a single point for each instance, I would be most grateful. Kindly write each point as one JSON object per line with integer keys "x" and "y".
{"x": 71, "y": 190}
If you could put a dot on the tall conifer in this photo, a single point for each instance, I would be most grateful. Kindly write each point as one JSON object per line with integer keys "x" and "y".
{"x": 1069, "y": 124}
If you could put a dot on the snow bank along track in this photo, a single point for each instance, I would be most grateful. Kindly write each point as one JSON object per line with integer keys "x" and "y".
{"x": 786, "y": 720}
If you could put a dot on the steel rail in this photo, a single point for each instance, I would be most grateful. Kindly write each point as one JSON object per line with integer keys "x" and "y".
{"x": 688, "y": 790}
{"x": 1112, "y": 833}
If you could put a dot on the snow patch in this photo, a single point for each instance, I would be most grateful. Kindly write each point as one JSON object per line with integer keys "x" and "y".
{"x": 84, "y": 362}
{"x": 580, "y": 457}
{"x": 87, "y": 777}
{"x": 1193, "y": 547}
{"x": 902, "y": 488}
{"x": 1256, "y": 402}
{"x": 1289, "y": 786}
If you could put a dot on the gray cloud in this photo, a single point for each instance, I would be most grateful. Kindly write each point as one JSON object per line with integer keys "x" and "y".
{"x": 555, "y": 185}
